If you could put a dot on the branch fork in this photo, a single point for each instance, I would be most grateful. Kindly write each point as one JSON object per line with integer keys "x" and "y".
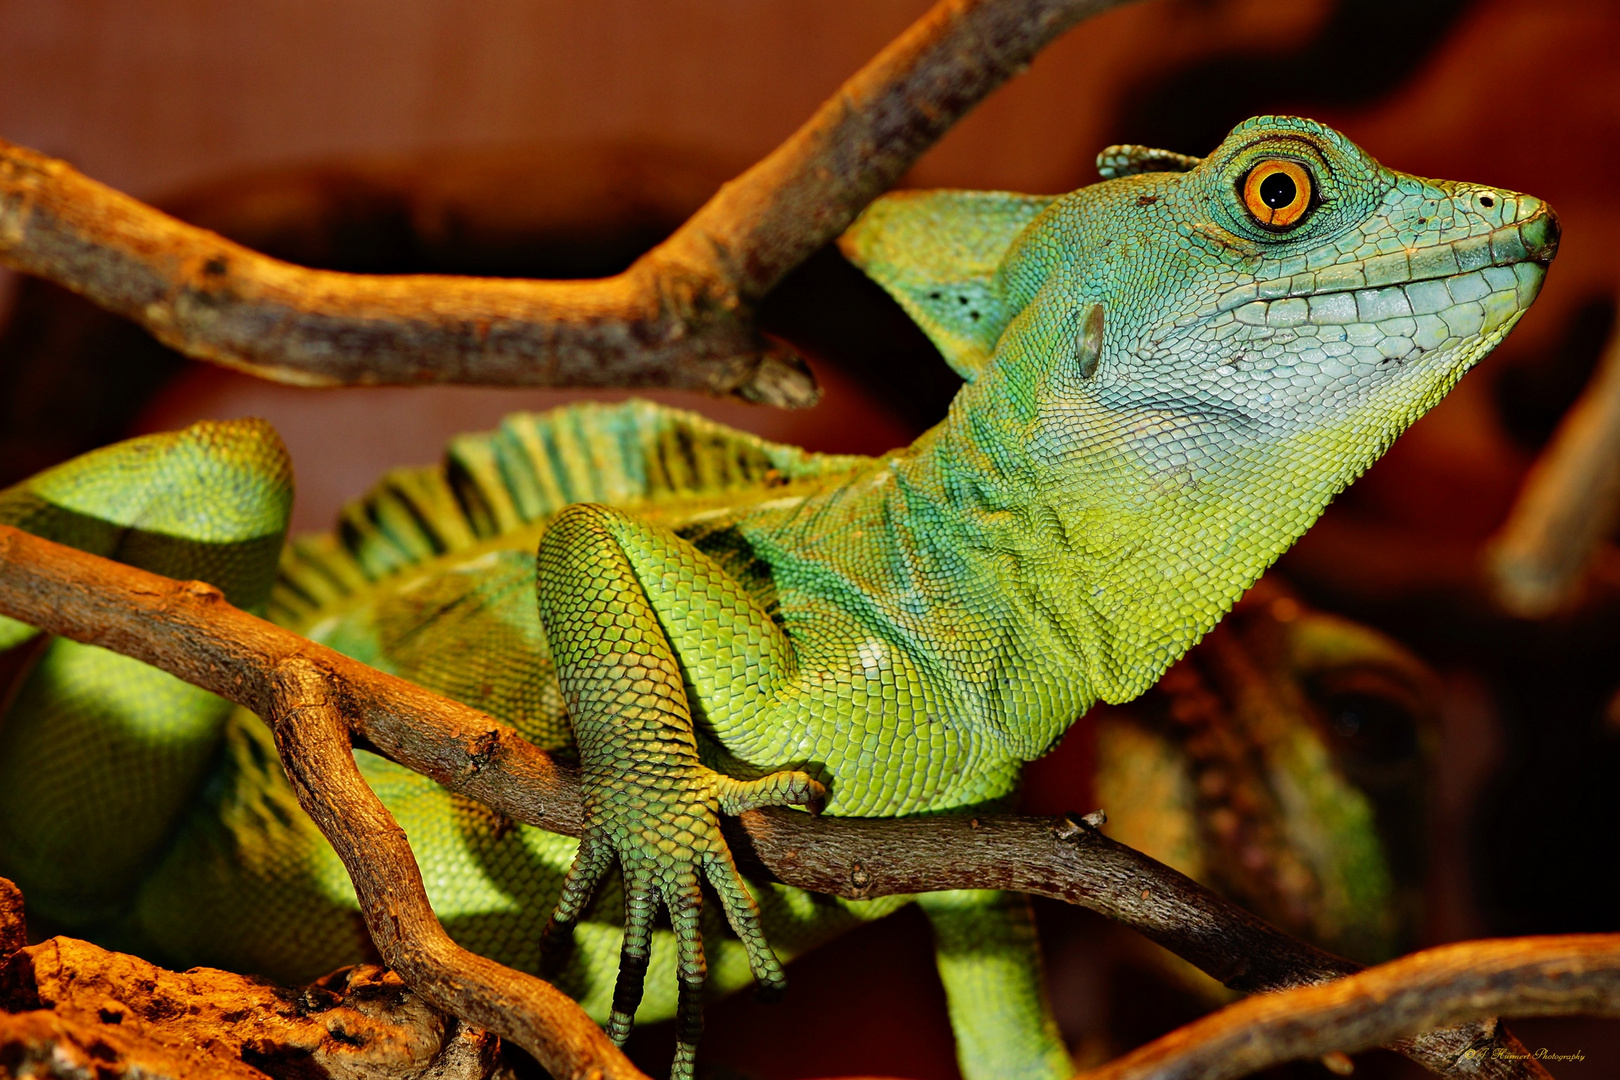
{"x": 681, "y": 316}
{"x": 321, "y": 704}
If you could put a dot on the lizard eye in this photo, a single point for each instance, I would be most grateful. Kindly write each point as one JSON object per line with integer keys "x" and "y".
{"x": 1277, "y": 193}
{"x": 1373, "y": 724}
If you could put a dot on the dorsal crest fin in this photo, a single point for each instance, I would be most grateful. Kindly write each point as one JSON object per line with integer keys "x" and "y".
{"x": 936, "y": 252}
{"x": 493, "y": 483}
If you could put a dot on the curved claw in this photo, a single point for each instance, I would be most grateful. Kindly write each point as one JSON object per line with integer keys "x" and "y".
{"x": 591, "y": 863}
{"x": 685, "y": 902}
{"x": 673, "y": 878}
{"x": 786, "y": 788}
{"x": 743, "y": 915}
{"x": 649, "y": 800}
{"x": 640, "y": 906}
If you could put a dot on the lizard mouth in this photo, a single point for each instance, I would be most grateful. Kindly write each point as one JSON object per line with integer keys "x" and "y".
{"x": 1416, "y": 299}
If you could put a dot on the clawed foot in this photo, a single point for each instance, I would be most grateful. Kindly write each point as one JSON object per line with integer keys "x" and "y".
{"x": 664, "y": 830}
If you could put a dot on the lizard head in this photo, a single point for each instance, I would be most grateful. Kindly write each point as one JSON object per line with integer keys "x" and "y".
{"x": 1181, "y": 365}
{"x": 1287, "y": 284}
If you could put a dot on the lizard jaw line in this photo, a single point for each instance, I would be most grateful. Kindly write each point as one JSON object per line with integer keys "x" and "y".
{"x": 1534, "y": 240}
{"x": 1502, "y": 269}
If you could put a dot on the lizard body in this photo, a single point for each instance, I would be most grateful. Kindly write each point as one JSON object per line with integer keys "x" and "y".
{"x": 1170, "y": 374}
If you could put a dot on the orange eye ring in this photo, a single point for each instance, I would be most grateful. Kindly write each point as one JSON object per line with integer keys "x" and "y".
{"x": 1277, "y": 193}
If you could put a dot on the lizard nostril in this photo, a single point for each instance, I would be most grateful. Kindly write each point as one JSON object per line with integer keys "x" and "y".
{"x": 1487, "y": 201}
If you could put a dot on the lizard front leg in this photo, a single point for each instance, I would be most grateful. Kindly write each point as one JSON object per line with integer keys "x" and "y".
{"x": 649, "y": 801}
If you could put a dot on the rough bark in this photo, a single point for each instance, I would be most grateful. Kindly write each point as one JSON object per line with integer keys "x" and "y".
{"x": 72, "y": 1010}
{"x": 310, "y": 717}
{"x": 1551, "y": 976}
{"x": 13, "y": 924}
{"x": 681, "y": 316}
{"x": 320, "y": 703}
{"x": 75, "y": 1010}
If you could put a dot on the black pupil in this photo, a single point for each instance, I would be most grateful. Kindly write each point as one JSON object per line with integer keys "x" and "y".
{"x": 1376, "y": 730}
{"x": 1277, "y": 190}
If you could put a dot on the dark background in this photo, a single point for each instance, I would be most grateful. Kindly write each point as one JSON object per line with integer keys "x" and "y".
{"x": 560, "y": 139}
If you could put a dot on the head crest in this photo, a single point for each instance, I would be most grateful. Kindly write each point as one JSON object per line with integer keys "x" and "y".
{"x": 936, "y": 252}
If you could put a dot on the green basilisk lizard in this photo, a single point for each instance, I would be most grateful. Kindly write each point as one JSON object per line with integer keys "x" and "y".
{"x": 1170, "y": 373}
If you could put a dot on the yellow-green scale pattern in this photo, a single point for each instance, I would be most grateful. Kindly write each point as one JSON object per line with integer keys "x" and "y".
{"x": 421, "y": 580}
{"x": 1168, "y": 380}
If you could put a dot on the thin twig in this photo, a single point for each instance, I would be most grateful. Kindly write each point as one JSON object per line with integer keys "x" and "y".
{"x": 681, "y": 316}
{"x": 187, "y": 629}
{"x": 1070, "y": 860}
{"x": 1568, "y": 506}
{"x": 1547, "y": 976}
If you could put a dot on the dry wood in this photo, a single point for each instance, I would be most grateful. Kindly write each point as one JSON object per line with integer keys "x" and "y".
{"x": 1568, "y": 506}
{"x": 68, "y": 1007}
{"x": 13, "y": 925}
{"x": 319, "y": 701}
{"x": 309, "y": 713}
{"x": 71, "y": 1009}
{"x": 1550, "y": 976}
{"x": 681, "y": 316}
{"x": 40, "y": 1045}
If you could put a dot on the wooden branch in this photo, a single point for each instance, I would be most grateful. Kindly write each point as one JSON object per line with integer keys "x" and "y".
{"x": 309, "y": 713}
{"x": 318, "y": 699}
{"x": 70, "y": 1009}
{"x": 681, "y": 316}
{"x": 13, "y": 925}
{"x": 1548, "y": 976}
{"x": 1066, "y": 859}
{"x": 188, "y": 630}
{"x": 1568, "y": 506}
{"x": 1070, "y": 860}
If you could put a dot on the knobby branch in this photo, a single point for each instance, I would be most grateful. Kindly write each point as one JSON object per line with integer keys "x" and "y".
{"x": 681, "y": 316}
{"x": 322, "y": 704}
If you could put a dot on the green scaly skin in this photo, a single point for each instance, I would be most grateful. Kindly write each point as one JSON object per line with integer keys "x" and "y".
{"x": 1163, "y": 395}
